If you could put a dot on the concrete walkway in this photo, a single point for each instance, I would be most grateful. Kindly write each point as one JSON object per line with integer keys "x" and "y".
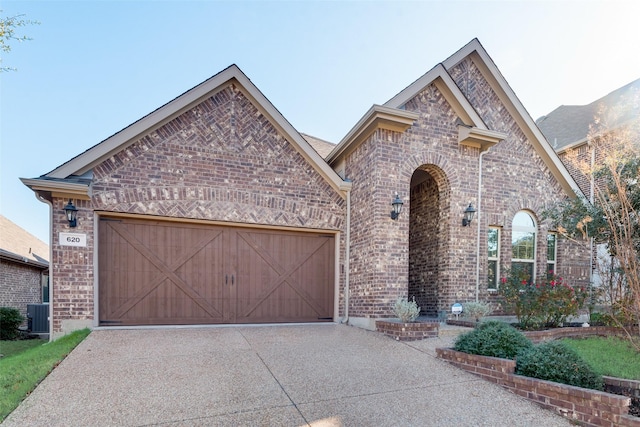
{"x": 317, "y": 375}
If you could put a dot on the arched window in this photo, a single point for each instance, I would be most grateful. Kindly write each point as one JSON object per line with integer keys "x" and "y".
{"x": 523, "y": 245}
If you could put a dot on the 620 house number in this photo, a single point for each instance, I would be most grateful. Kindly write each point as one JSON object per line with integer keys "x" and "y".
{"x": 73, "y": 239}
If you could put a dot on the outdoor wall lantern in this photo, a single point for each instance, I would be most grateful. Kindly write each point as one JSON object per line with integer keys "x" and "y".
{"x": 71, "y": 212}
{"x": 397, "y": 207}
{"x": 468, "y": 215}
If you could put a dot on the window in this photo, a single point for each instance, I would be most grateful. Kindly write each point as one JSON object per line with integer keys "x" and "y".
{"x": 493, "y": 244}
{"x": 44, "y": 281}
{"x": 523, "y": 245}
{"x": 552, "y": 240}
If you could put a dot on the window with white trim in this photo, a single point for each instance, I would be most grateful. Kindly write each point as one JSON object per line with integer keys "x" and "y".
{"x": 552, "y": 250}
{"x": 523, "y": 245}
{"x": 493, "y": 246}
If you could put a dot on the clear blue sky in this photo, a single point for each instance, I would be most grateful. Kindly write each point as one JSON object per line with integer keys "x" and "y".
{"x": 94, "y": 67}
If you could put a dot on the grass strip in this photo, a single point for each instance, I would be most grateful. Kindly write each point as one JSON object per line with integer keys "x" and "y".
{"x": 611, "y": 356}
{"x": 22, "y": 372}
{"x": 9, "y": 348}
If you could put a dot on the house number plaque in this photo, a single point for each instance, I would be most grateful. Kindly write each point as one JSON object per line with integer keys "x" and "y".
{"x": 73, "y": 239}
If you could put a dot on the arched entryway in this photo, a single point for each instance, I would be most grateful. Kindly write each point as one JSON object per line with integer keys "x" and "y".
{"x": 428, "y": 237}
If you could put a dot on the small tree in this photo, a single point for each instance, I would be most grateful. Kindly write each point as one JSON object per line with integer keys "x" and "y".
{"x": 613, "y": 217}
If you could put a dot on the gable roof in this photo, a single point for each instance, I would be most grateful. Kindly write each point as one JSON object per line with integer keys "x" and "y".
{"x": 441, "y": 78}
{"x": 392, "y": 114}
{"x": 74, "y": 175}
{"x": 19, "y": 245}
{"x": 476, "y": 52}
{"x": 476, "y": 133}
{"x": 570, "y": 124}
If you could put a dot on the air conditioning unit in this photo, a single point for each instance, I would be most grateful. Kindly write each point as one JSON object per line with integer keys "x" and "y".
{"x": 38, "y": 318}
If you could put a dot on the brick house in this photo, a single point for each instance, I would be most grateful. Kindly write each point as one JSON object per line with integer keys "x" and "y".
{"x": 214, "y": 209}
{"x": 24, "y": 267}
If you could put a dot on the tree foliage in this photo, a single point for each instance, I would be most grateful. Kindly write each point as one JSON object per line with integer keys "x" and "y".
{"x": 612, "y": 217}
{"x": 8, "y": 28}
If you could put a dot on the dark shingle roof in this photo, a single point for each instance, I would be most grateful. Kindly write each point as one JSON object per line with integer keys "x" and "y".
{"x": 568, "y": 124}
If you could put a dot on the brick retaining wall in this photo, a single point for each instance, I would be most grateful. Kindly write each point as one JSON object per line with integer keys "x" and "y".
{"x": 584, "y": 406}
{"x": 558, "y": 333}
{"x": 408, "y": 331}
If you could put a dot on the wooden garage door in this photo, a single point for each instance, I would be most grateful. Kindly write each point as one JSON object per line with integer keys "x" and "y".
{"x": 158, "y": 272}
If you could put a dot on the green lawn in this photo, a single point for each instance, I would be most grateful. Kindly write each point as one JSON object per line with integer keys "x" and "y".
{"x": 609, "y": 356}
{"x": 10, "y": 348}
{"x": 22, "y": 371}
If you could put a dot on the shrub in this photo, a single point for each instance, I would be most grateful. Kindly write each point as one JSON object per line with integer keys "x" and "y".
{"x": 601, "y": 319}
{"x": 555, "y": 361}
{"x": 547, "y": 302}
{"x": 10, "y": 320}
{"x": 493, "y": 338}
{"x": 406, "y": 310}
{"x": 476, "y": 310}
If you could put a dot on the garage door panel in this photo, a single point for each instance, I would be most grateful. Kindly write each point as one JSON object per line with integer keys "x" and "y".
{"x": 155, "y": 272}
{"x": 278, "y": 271}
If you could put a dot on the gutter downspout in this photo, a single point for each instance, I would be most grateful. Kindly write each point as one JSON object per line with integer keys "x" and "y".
{"x": 43, "y": 200}
{"x": 482, "y": 153}
{"x": 347, "y": 255}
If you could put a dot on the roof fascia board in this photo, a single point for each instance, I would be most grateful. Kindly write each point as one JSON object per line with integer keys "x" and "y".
{"x": 445, "y": 84}
{"x": 378, "y": 116}
{"x": 573, "y": 145}
{"x": 490, "y": 72}
{"x": 59, "y": 188}
{"x": 22, "y": 260}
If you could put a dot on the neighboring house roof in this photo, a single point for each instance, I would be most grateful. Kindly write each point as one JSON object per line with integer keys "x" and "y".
{"x": 570, "y": 124}
{"x": 19, "y": 245}
{"x": 320, "y": 145}
{"x": 67, "y": 179}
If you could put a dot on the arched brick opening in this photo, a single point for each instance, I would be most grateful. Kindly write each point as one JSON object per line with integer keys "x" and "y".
{"x": 428, "y": 237}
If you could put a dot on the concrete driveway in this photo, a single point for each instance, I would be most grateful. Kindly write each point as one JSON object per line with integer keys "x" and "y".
{"x": 317, "y": 375}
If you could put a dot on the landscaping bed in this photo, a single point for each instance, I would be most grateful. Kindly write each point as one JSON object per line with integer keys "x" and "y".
{"x": 585, "y": 406}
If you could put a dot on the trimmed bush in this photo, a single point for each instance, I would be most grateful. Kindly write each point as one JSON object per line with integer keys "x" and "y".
{"x": 407, "y": 311}
{"x": 10, "y": 320}
{"x": 495, "y": 339}
{"x": 476, "y": 310}
{"x": 555, "y": 361}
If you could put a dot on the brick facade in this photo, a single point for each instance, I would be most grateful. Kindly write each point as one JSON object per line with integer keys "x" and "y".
{"x": 72, "y": 272}
{"x": 221, "y": 160}
{"x": 20, "y": 285}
